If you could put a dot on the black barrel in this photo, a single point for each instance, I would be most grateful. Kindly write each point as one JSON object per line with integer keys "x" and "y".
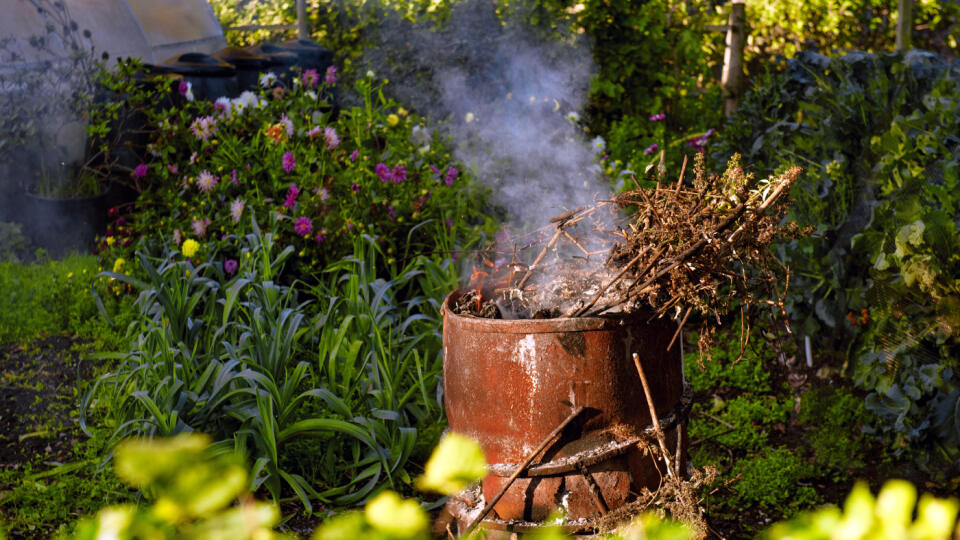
{"x": 249, "y": 65}
{"x": 210, "y": 77}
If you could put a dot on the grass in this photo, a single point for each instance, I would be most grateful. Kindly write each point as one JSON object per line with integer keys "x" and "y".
{"x": 54, "y": 297}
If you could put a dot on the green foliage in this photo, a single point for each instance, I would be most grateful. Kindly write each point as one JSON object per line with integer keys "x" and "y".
{"x": 879, "y": 273}
{"x": 889, "y": 516}
{"x": 39, "y": 499}
{"x": 784, "y": 27}
{"x": 374, "y": 169}
{"x": 773, "y": 481}
{"x": 193, "y": 487}
{"x": 742, "y": 418}
{"x": 836, "y": 437}
{"x": 324, "y": 395}
{"x": 54, "y": 296}
{"x": 13, "y": 244}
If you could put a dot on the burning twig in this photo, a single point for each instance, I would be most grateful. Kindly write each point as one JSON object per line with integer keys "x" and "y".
{"x": 539, "y": 258}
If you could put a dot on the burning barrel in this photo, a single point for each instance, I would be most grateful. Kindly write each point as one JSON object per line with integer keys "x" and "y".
{"x": 510, "y": 383}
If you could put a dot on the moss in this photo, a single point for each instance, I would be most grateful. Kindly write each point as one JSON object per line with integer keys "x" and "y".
{"x": 773, "y": 481}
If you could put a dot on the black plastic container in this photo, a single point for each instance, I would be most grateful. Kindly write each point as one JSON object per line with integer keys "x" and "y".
{"x": 311, "y": 55}
{"x": 249, "y": 65}
{"x": 284, "y": 63}
{"x": 210, "y": 77}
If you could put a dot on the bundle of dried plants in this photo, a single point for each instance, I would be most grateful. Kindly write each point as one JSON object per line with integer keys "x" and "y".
{"x": 700, "y": 246}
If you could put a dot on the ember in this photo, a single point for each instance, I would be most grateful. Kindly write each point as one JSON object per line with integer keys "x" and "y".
{"x": 700, "y": 247}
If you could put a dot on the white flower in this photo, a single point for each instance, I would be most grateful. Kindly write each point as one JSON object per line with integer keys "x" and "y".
{"x": 598, "y": 144}
{"x": 371, "y": 74}
{"x": 189, "y": 94}
{"x": 236, "y": 210}
{"x": 267, "y": 79}
{"x": 311, "y": 94}
{"x": 469, "y": 117}
{"x": 573, "y": 117}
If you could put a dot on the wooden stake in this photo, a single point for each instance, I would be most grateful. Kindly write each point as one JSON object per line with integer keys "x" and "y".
{"x": 732, "y": 78}
{"x": 653, "y": 416}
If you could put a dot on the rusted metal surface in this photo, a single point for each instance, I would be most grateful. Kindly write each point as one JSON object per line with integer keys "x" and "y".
{"x": 509, "y": 383}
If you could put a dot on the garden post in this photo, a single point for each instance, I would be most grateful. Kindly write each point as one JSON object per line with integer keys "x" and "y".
{"x": 732, "y": 78}
{"x": 904, "y": 24}
{"x": 302, "y": 28}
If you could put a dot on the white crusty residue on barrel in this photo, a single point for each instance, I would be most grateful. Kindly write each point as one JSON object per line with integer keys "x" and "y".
{"x": 526, "y": 355}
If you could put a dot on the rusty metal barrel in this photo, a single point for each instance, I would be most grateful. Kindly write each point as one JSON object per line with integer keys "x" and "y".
{"x": 509, "y": 383}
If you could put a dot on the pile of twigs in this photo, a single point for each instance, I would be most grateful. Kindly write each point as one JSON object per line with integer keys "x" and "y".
{"x": 700, "y": 246}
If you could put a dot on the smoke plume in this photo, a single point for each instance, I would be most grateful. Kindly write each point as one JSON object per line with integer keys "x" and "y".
{"x": 507, "y": 99}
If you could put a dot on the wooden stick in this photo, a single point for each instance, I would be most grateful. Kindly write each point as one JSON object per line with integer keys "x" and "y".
{"x": 523, "y": 466}
{"x": 683, "y": 170}
{"x": 679, "y": 328}
{"x": 574, "y": 240}
{"x": 603, "y": 289}
{"x": 655, "y": 260}
{"x": 539, "y": 258}
{"x": 653, "y": 416}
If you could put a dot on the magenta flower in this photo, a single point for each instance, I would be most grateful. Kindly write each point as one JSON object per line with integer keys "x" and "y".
{"x": 140, "y": 171}
{"x": 393, "y": 214}
{"x": 230, "y": 266}
{"x": 657, "y": 117}
{"x": 452, "y": 173}
{"x": 322, "y": 235}
{"x": 399, "y": 174}
{"x": 331, "y": 138}
{"x": 183, "y": 87}
{"x": 173, "y": 168}
{"x": 353, "y": 155}
{"x": 310, "y": 78}
{"x": 355, "y": 187}
{"x": 383, "y": 172}
{"x": 278, "y": 92}
{"x": 331, "y": 75}
{"x": 234, "y": 178}
{"x": 314, "y": 132}
{"x": 289, "y": 163}
{"x": 434, "y": 169}
{"x": 292, "y": 194}
{"x": 650, "y": 149}
{"x": 303, "y": 226}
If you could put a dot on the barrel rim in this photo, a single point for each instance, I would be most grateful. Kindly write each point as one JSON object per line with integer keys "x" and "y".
{"x": 537, "y": 326}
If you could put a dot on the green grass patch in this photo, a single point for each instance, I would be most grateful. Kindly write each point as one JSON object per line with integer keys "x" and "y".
{"x": 55, "y": 297}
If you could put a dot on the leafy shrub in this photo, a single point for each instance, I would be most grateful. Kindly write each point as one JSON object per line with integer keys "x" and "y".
{"x": 877, "y": 276}
{"x": 784, "y": 27}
